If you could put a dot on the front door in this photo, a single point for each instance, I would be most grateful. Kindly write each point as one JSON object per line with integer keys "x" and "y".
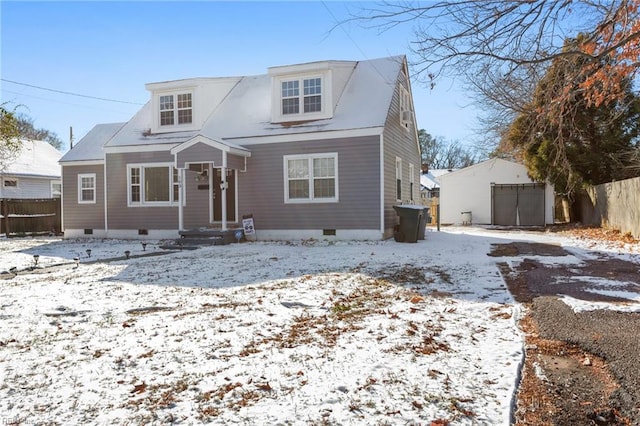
{"x": 231, "y": 195}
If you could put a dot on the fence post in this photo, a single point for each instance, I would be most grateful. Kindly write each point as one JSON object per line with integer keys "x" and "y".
{"x": 5, "y": 213}
{"x": 58, "y": 221}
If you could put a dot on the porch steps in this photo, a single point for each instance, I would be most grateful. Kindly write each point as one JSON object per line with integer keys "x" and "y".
{"x": 194, "y": 238}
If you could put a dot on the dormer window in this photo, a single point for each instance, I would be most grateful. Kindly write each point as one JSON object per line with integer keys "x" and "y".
{"x": 301, "y": 93}
{"x": 176, "y": 109}
{"x": 310, "y": 97}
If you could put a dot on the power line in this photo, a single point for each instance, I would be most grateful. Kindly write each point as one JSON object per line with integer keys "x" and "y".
{"x": 340, "y": 25}
{"x": 69, "y": 93}
{"x": 98, "y": 108}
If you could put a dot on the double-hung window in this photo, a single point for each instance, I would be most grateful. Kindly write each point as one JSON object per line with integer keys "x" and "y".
{"x": 152, "y": 185}
{"x": 56, "y": 189}
{"x": 311, "y": 178}
{"x": 87, "y": 188}
{"x": 301, "y": 96}
{"x": 176, "y": 109}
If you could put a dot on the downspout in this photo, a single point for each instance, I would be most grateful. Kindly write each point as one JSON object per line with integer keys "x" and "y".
{"x": 223, "y": 190}
{"x": 61, "y": 200}
{"x": 210, "y": 171}
{"x": 381, "y": 185}
{"x": 180, "y": 199}
{"x": 104, "y": 185}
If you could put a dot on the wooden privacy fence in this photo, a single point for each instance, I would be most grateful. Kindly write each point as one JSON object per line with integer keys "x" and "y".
{"x": 613, "y": 205}
{"x": 30, "y": 216}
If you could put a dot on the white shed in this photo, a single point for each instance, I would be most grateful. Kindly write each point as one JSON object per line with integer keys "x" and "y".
{"x": 495, "y": 192}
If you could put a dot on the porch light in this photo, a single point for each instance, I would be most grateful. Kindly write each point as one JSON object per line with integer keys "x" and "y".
{"x": 36, "y": 257}
{"x": 88, "y": 252}
{"x": 127, "y": 253}
{"x": 144, "y": 246}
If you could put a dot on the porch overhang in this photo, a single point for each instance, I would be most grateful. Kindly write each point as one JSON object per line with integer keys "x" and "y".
{"x": 202, "y": 149}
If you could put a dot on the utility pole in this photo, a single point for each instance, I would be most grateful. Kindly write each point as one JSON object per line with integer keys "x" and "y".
{"x": 70, "y": 137}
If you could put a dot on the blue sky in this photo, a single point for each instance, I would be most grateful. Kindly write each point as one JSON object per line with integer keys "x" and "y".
{"x": 111, "y": 49}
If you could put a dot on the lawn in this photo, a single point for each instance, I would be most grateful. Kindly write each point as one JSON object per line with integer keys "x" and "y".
{"x": 307, "y": 332}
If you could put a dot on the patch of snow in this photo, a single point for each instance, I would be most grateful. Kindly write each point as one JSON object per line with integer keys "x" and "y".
{"x": 259, "y": 333}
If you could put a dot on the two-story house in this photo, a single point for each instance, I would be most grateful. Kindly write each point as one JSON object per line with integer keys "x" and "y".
{"x": 321, "y": 149}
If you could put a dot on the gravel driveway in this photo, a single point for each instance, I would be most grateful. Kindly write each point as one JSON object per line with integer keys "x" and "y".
{"x": 582, "y": 368}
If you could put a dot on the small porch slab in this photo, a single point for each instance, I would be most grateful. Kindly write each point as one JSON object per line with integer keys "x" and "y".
{"x": 194, "y": 238}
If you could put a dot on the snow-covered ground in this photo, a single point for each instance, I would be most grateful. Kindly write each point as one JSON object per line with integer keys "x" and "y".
{"x": 263, "y": 333}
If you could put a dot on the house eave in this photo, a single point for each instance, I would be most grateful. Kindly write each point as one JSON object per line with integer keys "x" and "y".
{"x": 214, "y": 143}
{"x": 82, "y": 163}
{"x": 310, "y": 136}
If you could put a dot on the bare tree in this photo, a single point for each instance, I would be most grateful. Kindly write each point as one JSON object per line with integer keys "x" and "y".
{"x": 9, "y": 137}
{"x": 461, "y": 36}
{"x": 28, "y": 130}
{"x": 437, "y": 153}
{"x": 501, "y": 48}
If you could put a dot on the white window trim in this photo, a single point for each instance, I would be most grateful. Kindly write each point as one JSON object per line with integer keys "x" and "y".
{"x": 5, "y": 180}
{"x": 398, "y": 176}
{"x": 326, "y": 111}
{"x": 53, "y": 182}
{"x": 405, "y": 106}
{"x": 310, "y": 158}
{"x": 95, "y": 185}
{"x": 142, "y": 203}
{"x": 172, "y": 128}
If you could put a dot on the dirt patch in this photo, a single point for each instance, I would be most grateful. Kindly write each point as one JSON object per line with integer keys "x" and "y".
{"x": 580, "y": 368}
{"x": 552, "y": 373}
{"x": 523, "y": 248}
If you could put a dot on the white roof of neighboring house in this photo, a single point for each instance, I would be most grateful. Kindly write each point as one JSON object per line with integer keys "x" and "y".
{"x": 90, "y": 146}
{"x": 36, "y": 159}
{"x": 430, "y": 179}
{"x": 245, "y": 107}
{"x": 487, "y": 164}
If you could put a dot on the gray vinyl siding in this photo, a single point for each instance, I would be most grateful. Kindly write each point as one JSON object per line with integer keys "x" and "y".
{"x": 399, "y": 142}
{"x": 235, "y": 162}
{"x": 197, "y": 153}
{"x": 261, "y": 188}
{"x": 119, "y": 215}
{"x": 76, "y": 215}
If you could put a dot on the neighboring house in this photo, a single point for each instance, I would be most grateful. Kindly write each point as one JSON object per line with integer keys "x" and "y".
{"x": 430, "y": 185}
{"x": 321, "y": 149}
{"x": 495, "y": 192}
{"x": 35, "y": 173}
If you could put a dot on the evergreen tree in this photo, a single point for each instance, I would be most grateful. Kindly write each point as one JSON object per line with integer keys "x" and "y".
{"x": 580, "y": 142}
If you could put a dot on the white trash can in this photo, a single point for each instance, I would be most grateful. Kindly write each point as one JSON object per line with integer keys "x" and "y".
{"x": 466, "y": 218}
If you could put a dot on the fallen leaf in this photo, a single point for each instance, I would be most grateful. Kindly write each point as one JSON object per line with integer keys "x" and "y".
{"x": 264, "y": 386}
{"x": 139, "y": 388}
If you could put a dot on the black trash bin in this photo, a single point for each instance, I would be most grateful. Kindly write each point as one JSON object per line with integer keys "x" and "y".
{"x": 423, "y": 222}
{"x": 410, "y": 219}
